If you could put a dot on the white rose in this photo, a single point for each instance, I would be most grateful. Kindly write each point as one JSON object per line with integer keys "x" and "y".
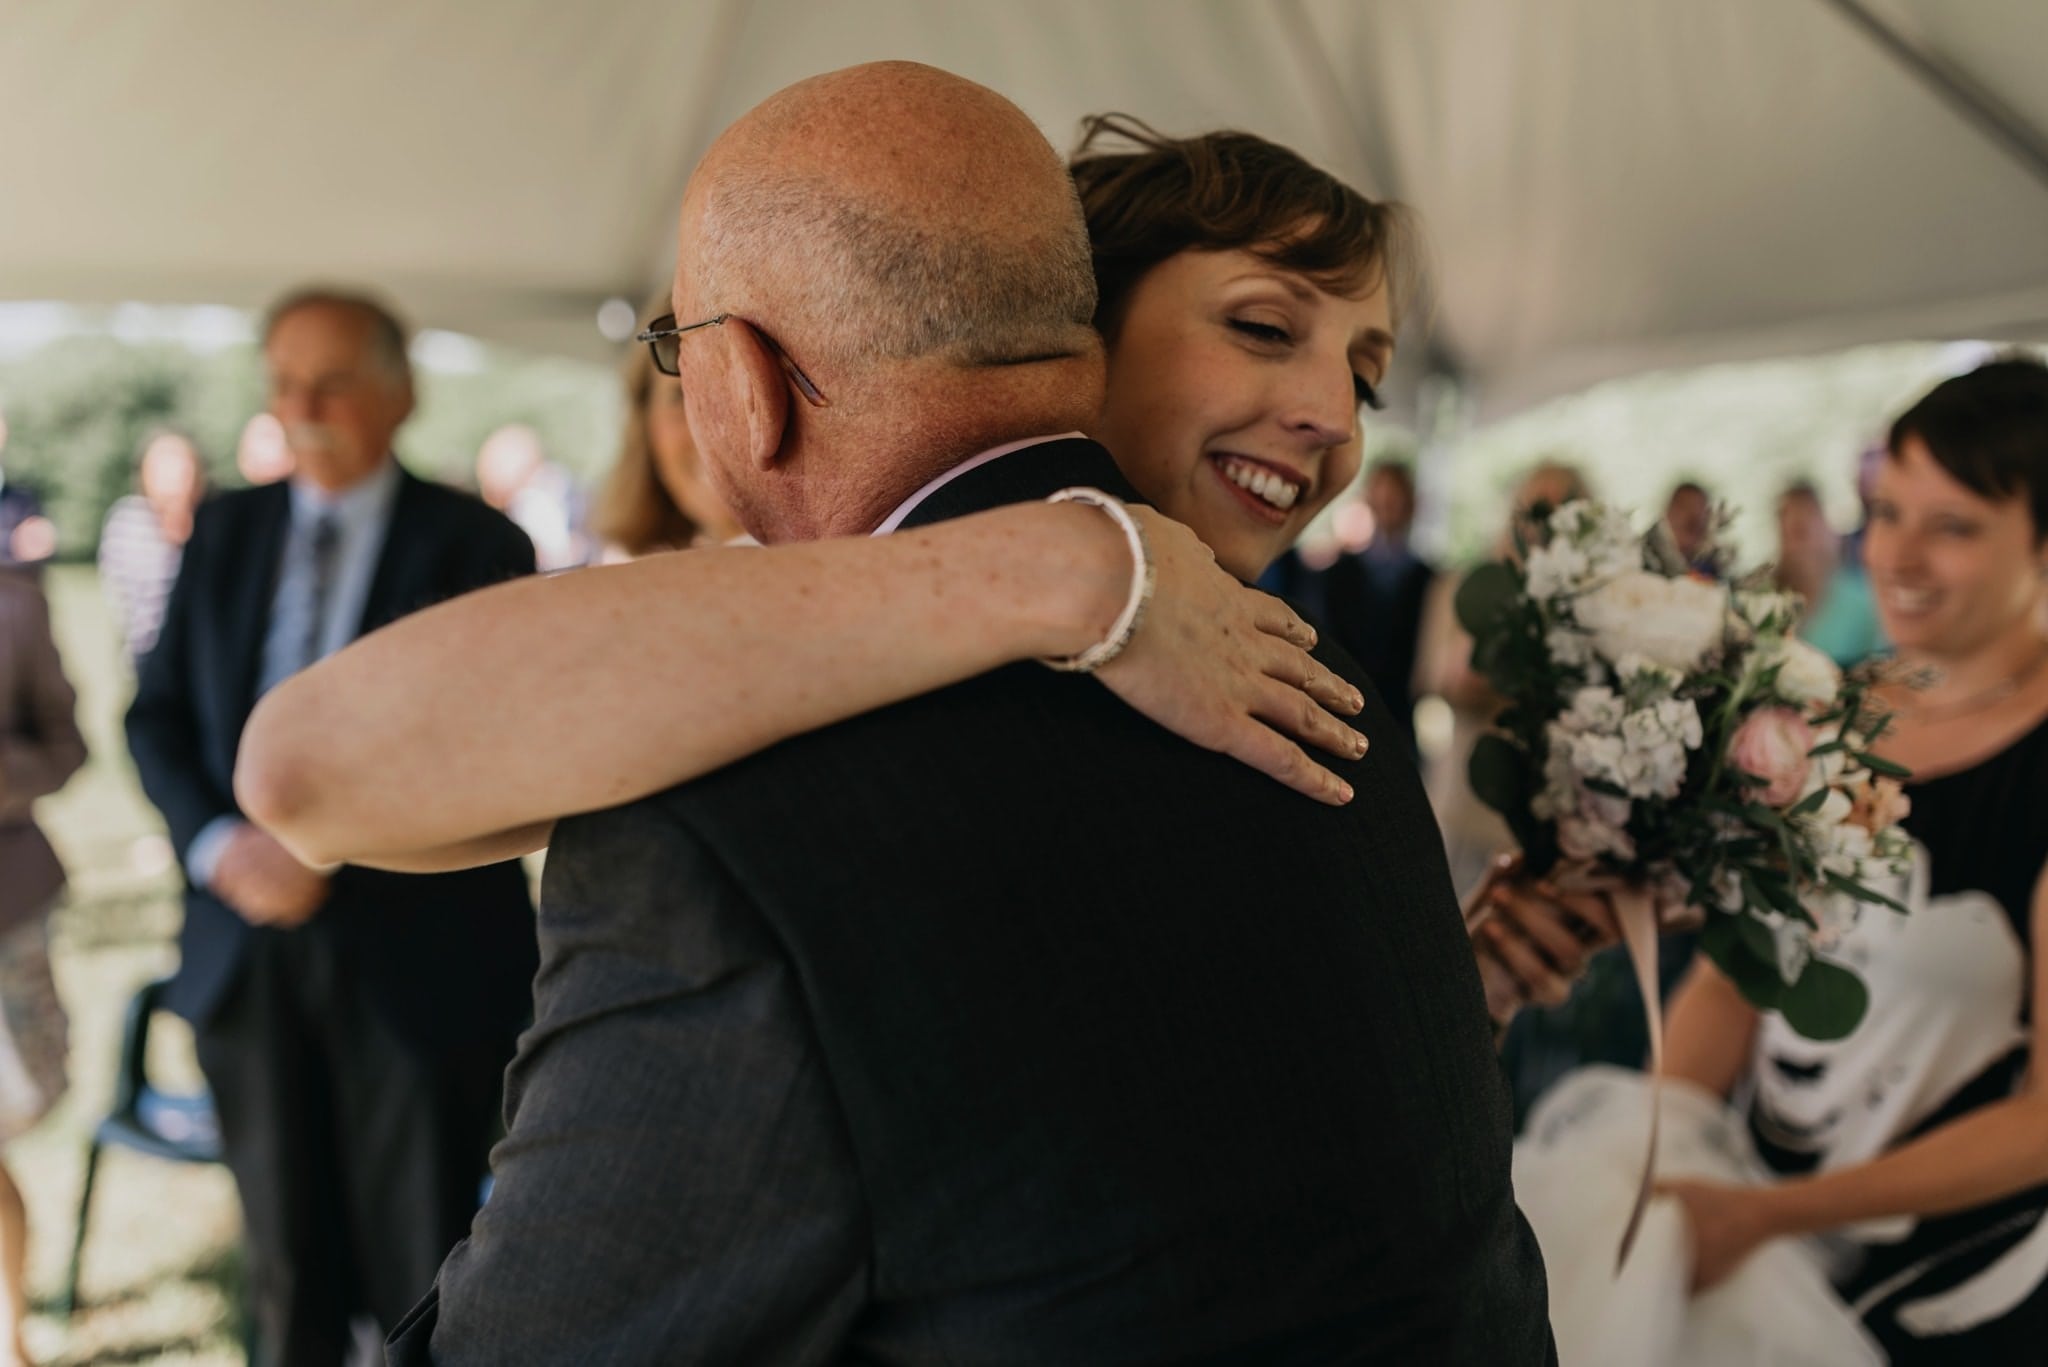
{"x": 1805, "y": 675}
{"x": 1674, "y": 622}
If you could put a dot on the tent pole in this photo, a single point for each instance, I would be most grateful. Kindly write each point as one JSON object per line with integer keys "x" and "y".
{"x": 1992, "y": 116}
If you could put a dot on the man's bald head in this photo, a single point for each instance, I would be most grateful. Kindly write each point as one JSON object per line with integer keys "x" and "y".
{"x": 891, "y": 212}
{"x": 912, "y": 243}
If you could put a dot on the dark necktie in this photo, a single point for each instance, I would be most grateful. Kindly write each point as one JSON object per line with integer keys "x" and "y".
{"x": 321, "y": 554}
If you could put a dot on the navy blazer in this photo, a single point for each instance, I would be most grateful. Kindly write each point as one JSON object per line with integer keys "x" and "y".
{"x": 447, "y": 956}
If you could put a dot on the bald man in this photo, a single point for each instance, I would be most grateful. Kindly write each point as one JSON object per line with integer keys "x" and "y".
{"x": 998, "y": 1026}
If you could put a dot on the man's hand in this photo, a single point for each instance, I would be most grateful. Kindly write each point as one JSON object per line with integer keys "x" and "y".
{"x": 264, "y": 884}
{"x": 1532, "y": 939}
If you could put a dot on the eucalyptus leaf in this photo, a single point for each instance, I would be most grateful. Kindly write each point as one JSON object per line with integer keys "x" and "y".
{"x": 1826, "y": 1003}
{"x": 1501, "y": 774}
{"x": 1756, "y": 977}
{"x": 1488, "y": 594}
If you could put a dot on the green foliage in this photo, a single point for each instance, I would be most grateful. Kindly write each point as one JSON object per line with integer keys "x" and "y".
{"x": 78, "y": 407}
{"x": 1826, "y": 1003}
{"x": 1486, "y": 595}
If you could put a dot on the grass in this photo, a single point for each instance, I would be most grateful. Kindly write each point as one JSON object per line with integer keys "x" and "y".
{"x": 162, "y": 1275}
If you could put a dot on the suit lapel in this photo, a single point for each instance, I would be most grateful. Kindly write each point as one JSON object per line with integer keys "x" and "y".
{"x": 249, "y": 617}
{"x": 394, "y": 586}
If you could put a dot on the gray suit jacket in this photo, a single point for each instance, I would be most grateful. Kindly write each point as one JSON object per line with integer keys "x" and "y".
{"x": 1000, "y": 1026}
{"x": 40, "y": 747}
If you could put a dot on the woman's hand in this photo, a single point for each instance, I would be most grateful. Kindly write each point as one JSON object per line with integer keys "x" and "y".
{"x": 1727, "y": 1224}
{"x": 1228, "y": 668}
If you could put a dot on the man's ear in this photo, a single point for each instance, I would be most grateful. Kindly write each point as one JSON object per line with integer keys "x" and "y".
{"x": 762, "y": 394}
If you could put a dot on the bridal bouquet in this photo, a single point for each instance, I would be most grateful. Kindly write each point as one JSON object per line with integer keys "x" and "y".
{"x": 1674, "y": 734}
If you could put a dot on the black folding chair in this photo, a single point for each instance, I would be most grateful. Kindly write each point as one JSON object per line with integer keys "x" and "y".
{"x": 179, "y": 1127}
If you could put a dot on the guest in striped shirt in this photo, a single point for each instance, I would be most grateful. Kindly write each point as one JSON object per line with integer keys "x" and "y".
{"x": 144, "y": 536}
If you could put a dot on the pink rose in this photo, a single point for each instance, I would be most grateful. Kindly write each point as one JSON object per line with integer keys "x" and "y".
{"x": 1772, "y": 744}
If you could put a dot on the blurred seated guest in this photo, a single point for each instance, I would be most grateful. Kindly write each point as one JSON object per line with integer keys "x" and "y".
{"x": 262, "y": 456}
{"x": 1373, "y": 597}
{"x": 1919, "y": 1143}
{"x": 514, "y": 475}
{"x": 1473, "y": 832}
{"x": 1840, "y": 617}
{"x": 1689, "y": 516}
{"x": 353, "y": 1024}
{"x": 40, "y": 747}
{"x": 144, "y": 536}
{"x": 656, "y": 497}
{"x": 27, "y": 537}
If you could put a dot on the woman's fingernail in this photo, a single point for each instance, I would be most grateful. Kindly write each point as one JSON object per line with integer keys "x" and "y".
{"x": 1343, "y": 791}
{"x": 1357, "y": 701}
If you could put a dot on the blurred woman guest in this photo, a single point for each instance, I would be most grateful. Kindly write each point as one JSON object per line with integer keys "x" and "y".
{"x": 514, "y": 475}
{"x": 143, "y": 538}
{"x": 1921, "y": 1140}
{"x": 656, "y": 498}
{"x": 1840, "y": 618}
{"x": 40, "y": 747}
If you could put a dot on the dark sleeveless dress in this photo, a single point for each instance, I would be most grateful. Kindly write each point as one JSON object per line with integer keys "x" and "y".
{"x": 1946, "y": 1034}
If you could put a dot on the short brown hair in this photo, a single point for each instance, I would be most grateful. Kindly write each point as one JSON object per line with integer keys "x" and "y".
{"x": 1989, "y": 430}
{"x": 634, "y": 510}
{"x": 1227, "y": 191}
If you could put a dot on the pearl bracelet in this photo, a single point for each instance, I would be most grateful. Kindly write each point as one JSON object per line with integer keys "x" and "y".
{"x": 1142, "y": 579}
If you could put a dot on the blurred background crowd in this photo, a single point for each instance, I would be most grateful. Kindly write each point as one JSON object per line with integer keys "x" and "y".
{"x": 113, "y": 437}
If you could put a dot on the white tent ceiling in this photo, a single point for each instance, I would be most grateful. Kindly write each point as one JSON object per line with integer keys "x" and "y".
{"x": 1609, "y": 185}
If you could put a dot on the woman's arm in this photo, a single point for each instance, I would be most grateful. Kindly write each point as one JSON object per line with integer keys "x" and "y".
{"x": 460, "y": 733}
{"x": 1708, "y": 1030}
{"x": 1987, "y": 1154}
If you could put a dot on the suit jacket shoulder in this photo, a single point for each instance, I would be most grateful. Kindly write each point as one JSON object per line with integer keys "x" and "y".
{"x": 1086, "y": 990}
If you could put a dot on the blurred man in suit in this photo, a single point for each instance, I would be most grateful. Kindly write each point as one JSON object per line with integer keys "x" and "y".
{"x": 352, "y": 1024}
{"x": 1372, "y": 599}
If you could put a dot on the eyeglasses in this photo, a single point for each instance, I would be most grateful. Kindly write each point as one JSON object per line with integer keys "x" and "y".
{"x": 663, "y": 340}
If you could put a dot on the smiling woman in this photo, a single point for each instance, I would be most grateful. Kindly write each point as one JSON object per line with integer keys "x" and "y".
{"x": 1248, "y": 302}
{"x": 1917, "y": 1139}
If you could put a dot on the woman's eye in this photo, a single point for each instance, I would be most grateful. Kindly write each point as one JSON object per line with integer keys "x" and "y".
{"x": 1263, "y": 332}
{"x": 1367, "y": 395}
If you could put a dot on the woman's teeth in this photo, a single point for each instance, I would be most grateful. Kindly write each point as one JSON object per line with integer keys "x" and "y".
{"x": 1261, "y": 483}
{"x": 1910, "y": 600}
